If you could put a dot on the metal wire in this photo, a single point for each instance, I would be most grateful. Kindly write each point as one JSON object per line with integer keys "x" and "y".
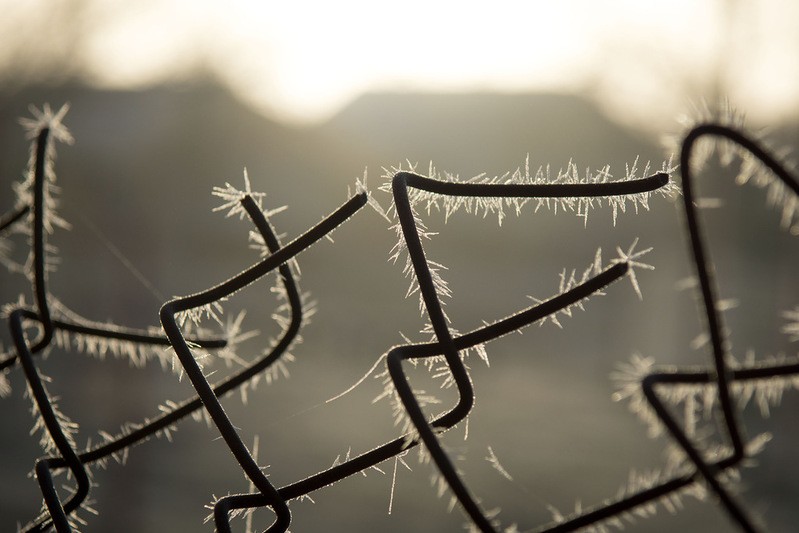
{"x": 446, "y": 344}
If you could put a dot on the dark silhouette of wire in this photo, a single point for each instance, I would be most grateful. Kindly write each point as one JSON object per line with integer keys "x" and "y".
{"x": 194, "y": 372}
{"x": 225, "y": 505}
{"x": 427, "y": 431}
{"x": 722, "y": 373}
{"x": 446, "y": 344}
{"x": 277, "y": 499}
{"x": 58, "y": 514}
{"x": 25, "y": 351}
{"x": 224, "y": 386}
{"x": 106, "y": 331}
{"x": 710, "y": 471}
{"x": 419, "y": 351}
{"x": 425, "y": 350}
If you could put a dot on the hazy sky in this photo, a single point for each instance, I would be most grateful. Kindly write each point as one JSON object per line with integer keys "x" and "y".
{"x": 303, "y": 60}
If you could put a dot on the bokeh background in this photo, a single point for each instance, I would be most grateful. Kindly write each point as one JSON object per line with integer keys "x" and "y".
{"x": 170, "y": 98}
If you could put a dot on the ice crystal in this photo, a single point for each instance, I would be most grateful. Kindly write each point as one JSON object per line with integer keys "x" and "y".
{"x": 749, "y": 169}
{"x": 630, "y": 257}
{"x": 705, "y": 113}
{"x": 196, "y": 315}
{"x": 400, "y": 250}
{"x": 347, "y": 456}
{"x": 245, "y": 513}
{"x": 362, "y": 187}
{"x": 282, "y": 317}
{"x": 232, "y": 198}
{"x": 68, "y": 427}
{"x": 672, "y": 501}
{"x": 398, "y": 459}
{"x": 74, "y": 519}
{"x": 257, "y": 243}
{"x": 698, "y": 400}
{"x": 6, "y": 247}
{"x": 494, "y": 462}
{"x": 544, "y": 175}
{"x": 571, "y": 279}
{"x": 99, "y": 345}
{"x": 765, "y": 392}
{"x": 429, "y": 202}
{"x": 791, "y": 328}
{"x": 628, "y": 377}
{"x": 398, "y": 411}
{"x": 24, "y": 190}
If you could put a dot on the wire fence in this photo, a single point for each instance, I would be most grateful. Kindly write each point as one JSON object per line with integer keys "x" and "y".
{"x": 672, "y": 400}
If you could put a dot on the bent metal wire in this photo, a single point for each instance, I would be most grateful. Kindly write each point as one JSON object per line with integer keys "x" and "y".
{"x": 67, "y": 456}
{"x": 63, "y": 452}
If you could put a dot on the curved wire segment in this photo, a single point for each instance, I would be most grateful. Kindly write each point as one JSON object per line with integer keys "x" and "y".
{"x": 189, "y": 406}
{"x": 671, "y": 377}
{"x": 25, "y": 354}
{"x": 701, "y": 466}
{"x": 445, "y": 421}
{"x": 58, "y": 512}
{"x": 715, "y": 327}
{"x": 230, "y": 503}
{"x": 723, "y": 375}
{"x": 397, "y": 446}
{"x": 400, "y": 184}
{"x": 57, "y": 515}
{"x": 24, "y": 351}
{"x": 194, "y": 372}
{"x": 105, "y": 331}
{"x": 38, "y": 205}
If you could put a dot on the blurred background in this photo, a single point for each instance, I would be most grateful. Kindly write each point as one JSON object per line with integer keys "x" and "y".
{"x": 170, "y": 98}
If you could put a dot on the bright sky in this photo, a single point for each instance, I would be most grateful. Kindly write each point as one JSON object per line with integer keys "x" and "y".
{"x": 301, "y": 60}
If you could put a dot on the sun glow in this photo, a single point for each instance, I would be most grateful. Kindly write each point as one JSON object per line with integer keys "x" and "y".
{"x": 301, "y": 61}
{"x": 322, "y": 55}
